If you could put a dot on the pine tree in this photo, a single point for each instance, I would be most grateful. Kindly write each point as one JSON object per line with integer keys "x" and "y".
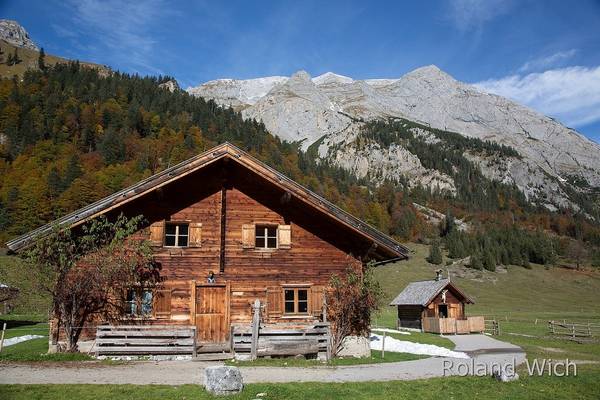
{"x": 448, "y": 225}
{"x": 73, "y": 171}
{"x": 489, "y": 261}
{"x": 42, "y": 60}
{"x": 55, "y": 184}
{"x": 15, "y": 58}
{"x": 435, "y": 254}
{"x": 476, "y": 261}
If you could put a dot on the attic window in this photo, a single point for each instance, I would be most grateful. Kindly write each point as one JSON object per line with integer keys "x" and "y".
{"x": 266, "y": 237}
{"x": 176, "y": 234}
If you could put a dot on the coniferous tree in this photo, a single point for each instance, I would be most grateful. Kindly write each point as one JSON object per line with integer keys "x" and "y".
{"x": 42, "y": 60}
{"x": 435, "y": 254}
{"x": 73, "y": 170}
{"x": 55, "y": 184}
{"x": 15, "y": 58}
{"x": 489, "y": 262}
{"x": 476, "y": 261}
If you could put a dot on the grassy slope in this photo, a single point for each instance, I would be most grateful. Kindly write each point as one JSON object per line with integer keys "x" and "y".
{"x": 29, "y": 60}
{"x": 523, "y": 300}
{"x": 30, "y": 301}
{"x": 519, "y": 294}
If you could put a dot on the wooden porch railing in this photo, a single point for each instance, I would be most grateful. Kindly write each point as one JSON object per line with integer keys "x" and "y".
{"x": 453, "y": 325}
{"x": 145, "y": 339}
{"x": 259, "y": 340}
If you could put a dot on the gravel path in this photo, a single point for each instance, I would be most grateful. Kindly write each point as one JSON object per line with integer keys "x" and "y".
{"x": 485, "y": 351}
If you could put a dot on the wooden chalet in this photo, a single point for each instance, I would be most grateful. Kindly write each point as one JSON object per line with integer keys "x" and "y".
{"x": 436, "y": 306}
{"x": 264, "y": 236}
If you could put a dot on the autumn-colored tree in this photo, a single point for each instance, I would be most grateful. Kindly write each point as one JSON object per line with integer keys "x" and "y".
{"x": 84, "y": 271}
{"x": 351, "y": 301}
{"x": 577, "y": 252}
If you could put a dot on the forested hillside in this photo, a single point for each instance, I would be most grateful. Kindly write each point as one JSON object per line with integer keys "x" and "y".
{"x": 69, "y": 136}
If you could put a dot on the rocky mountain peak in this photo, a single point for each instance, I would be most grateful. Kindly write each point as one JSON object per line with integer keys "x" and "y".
{"x": 331, "y": 78}
{"x": 170, "y": 85}
{"x": 332, "y": 110}
{"x": 12, "y": 32}
{"x": 300, "y": 76}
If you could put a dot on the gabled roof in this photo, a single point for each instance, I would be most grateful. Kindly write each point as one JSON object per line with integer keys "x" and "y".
{"x": 225, "y": 150}
{"x": 422, "y": 293}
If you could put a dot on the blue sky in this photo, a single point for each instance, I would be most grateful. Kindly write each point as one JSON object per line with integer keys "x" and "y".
{"x": 545, "y": 54}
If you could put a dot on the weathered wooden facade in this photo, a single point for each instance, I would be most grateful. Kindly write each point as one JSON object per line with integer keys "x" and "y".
{"x": 227, "y": 230}
{"x": 437, "y": 306}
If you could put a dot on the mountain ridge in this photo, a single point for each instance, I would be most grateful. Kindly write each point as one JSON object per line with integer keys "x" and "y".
{"x": 332, "y": 109}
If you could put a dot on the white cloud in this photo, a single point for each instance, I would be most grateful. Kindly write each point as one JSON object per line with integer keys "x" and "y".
{"x": 571, "y": 94}
{"x": 121, "y": 31}
{"x": 547, "y": 61}
{"x": 472, "y": 14}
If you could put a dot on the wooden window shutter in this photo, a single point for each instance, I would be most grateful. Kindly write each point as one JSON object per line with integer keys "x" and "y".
{"x": 162, "y": 303}
{"x": 195, "y": 234}
{"x": 285, "y": 236}
{"x": 248, "y": 236}
{"x": 316, "y": 300}
{"x": 274, "y": 302}
{"x": 157, "y": 233}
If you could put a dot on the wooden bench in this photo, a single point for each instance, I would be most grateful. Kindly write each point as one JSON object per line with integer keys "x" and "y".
{"x": 145, "y": 340}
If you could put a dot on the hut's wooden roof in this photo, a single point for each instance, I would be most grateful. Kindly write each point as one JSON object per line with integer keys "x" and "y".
{"x": 422, "y": 293}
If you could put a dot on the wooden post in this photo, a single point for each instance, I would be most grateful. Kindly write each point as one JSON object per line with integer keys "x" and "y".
{"x": 231, "y": 341}
{"x": 324, "y": 306}
{"x": 329, "y": 339}
{"x": 255, "y": 326}
{"x": 573, "y": 330}
{"x": 195, "y": 349}
{"x": 193, "y": 302}
{"x": 383, "y": 346}
{"x": 2, "y": 339}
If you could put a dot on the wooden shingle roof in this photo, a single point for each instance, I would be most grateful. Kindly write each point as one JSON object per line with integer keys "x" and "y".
{"x": 384, "y": 244}
{"x": 422, "y": 293}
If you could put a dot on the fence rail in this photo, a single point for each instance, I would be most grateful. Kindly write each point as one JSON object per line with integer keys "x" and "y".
{"x": 145, "y": 339}
{"x": 492, "y": 327}
{"x": 574, "y": 329}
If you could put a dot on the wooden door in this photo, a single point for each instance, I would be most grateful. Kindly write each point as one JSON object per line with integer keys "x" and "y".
{"x": 212, "y": 313}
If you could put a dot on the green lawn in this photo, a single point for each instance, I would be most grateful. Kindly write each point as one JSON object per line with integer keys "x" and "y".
{"x": 585, "y": 386}
{"x": 35, "y": 349}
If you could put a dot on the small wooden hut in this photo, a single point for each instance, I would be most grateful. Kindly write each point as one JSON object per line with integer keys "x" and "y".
{"x": 436, "y": 306}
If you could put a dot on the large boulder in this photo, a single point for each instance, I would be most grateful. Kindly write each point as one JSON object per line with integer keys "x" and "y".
{"x": 223, "y": 380}
{"x": 355, "y": 346}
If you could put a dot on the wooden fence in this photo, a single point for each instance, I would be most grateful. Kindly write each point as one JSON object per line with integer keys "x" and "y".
{"x": 260, "y": 340}
{"x": 574, "y": 329}
{"x": 145, "y": 339}
{"x": 492, "y": 327}
{"x": 453, "y": 326}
